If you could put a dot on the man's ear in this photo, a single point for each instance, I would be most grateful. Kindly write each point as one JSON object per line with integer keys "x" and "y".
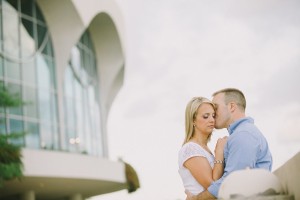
{"x": 233, "y": 106}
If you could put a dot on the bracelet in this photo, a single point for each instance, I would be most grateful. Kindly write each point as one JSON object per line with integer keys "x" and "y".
{"x": 219, "y": 161}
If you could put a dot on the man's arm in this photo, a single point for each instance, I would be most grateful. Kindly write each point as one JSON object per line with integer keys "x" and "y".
{"x": 205, "y": 195}
{"x": 240, "y": 155}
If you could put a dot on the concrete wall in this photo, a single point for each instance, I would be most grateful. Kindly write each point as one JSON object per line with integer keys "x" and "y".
{"x": 289, "y": 176}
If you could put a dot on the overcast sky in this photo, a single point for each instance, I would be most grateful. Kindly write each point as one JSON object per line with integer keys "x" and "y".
{"x": 178, "y": 49}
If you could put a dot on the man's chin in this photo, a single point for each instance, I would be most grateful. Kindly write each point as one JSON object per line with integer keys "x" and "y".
{"x": 218, "y": 127}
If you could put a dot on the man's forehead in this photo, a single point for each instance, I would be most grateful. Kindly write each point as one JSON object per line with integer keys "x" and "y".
{"x": 217, "y": 99}
{"x": 218, "y": 96}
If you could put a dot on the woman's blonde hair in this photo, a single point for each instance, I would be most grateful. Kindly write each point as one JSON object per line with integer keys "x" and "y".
{"x": 190, "y": 116}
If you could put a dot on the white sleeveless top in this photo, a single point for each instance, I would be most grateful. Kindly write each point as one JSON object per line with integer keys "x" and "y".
{"x": 189, "y": 150}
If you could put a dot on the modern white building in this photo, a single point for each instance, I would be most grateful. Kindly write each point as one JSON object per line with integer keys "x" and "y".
{"x": 65, "y": 59}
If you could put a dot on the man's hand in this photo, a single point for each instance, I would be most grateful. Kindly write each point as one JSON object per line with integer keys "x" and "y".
{"x": 189, "y": 195}
{"x": 205, "y": 195}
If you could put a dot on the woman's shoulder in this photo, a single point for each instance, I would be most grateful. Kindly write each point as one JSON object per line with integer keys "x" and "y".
{"x": 190, "y": 147}
{"x": 189, "y": 150}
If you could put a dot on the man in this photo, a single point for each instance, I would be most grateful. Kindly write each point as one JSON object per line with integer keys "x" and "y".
{"x": 246, "y": 146}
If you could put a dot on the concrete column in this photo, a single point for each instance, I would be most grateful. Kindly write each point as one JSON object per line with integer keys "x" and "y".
{"x": 76, "y": 197}
{"x": 28, "y": 195}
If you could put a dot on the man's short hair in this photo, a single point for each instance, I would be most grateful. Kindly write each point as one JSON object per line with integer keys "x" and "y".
{"x": 233, "y": 95}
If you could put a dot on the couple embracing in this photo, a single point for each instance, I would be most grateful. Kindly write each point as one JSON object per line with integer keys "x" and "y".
{"x": 202, "y": 172}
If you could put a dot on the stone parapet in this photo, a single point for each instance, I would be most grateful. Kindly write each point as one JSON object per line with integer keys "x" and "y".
{"x": 289, "y": 176}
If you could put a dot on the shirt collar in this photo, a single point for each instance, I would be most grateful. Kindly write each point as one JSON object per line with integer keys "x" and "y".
{"x": 236, "y": 123}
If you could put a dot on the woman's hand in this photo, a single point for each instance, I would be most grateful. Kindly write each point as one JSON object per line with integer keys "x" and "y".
{"x": 219, "y": 149}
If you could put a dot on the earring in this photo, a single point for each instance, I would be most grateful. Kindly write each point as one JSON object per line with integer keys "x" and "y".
{"x": 194, "y": 125}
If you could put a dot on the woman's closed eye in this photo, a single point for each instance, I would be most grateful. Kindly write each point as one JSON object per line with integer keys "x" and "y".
{"x": 206, "y": 116}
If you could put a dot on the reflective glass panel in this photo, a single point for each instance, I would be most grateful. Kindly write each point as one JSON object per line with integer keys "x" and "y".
{"x": 68, "y": 86}
{"x": 1, "y": 66}
{"x": 32, "y": 138}
{"x": 29, "y": 72}
{"x": 16, "y": 126}
{"x": 15, "y": 92}
{"x": 46, "y": 136}
{"x": 10, "y": 31}
{"x": 70, "y": 112}
{"x": 44, "y": 98}
{"x": 76, "y": 60}
{"x": 54, "y": 112}
{"x": 72, "y": 143}
{"x": 43, "y": 73}
{"x": 51, "y": 68}
{"x": 2, "y": 124}
{"x": 27, "y": 8}
{"x": 27, "y": 40}
{"x": 30, "y": 107}
{"x": 42, "y": 38}
{"x": 55, "y": 132}
{"x": 13, "y": 70}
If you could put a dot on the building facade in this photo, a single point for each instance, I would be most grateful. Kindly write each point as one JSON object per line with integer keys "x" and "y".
{"x": 65, "y": 60}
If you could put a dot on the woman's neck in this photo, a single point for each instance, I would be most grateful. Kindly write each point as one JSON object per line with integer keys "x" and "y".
{"x": 200, "y": 140}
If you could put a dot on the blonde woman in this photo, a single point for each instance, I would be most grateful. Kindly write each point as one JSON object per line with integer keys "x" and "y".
{"x": 198, "y": 166}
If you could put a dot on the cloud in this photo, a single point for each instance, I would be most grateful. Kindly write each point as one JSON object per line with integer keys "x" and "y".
{"x": 281, "y": 89}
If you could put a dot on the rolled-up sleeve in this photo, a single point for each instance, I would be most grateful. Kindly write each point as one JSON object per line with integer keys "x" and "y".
{"x": 215, "y": 186}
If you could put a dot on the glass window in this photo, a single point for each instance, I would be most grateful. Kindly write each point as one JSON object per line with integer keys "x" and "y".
{"x": 29, "y": 73}
{"x": 12, "y": 70}
{"x": 27, "y": 8}
{"x": 27, "y": 70}
{"x": 55, "y": 138}
{"x": 42, "y": 37}
{"x": 80, "y": 84}
{"x": 43, "y": 73}
{"x": 30, "y": 97}
{"x": 1, "y": 67}
{"x": 46, "y": 136}
{"x": 68, "y": 86}
{"x": 54, "y": 111}
{"x": 27, "y": 39}
{"x": 2, "y": 108}
{"x": 72, "y": 140}
{"x": 16, "y": 126}
{"x": 32, "y": 138}
{"x": 15, "y": 91}
{"x": 75, "y": 60}
{"x": 44, "y": 100}
{"x": 10, "y": 26}
{"x": 1, "y": 26}
{"x": 2, "y": 124}
{"x": 51, "y": 68}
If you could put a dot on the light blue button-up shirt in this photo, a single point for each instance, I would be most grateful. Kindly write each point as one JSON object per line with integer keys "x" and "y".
{"x": 246, "y": 148}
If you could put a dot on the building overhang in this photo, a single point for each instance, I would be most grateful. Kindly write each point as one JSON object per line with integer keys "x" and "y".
{"x": 54, "y": 175}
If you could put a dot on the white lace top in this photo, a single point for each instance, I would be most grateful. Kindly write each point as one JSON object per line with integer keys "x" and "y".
{"x": 189, "y": 150}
